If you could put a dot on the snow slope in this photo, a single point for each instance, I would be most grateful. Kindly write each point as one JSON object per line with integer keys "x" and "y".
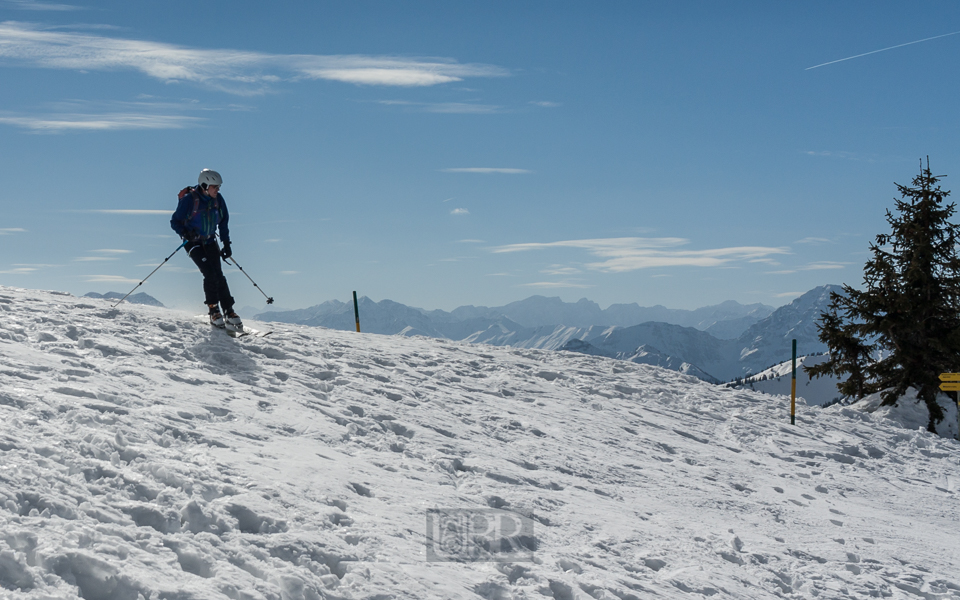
{"x": 777, "y": 380}
{"x": 143, "y": 454}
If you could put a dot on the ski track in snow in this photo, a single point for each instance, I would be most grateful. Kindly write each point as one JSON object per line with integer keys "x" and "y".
{"x": 145, "y": 455}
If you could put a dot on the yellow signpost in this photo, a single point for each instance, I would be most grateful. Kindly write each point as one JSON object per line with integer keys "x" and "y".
{"x": 951, "y": 383}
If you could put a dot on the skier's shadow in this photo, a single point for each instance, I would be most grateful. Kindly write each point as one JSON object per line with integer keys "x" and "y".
{"x": 223, "y": 355}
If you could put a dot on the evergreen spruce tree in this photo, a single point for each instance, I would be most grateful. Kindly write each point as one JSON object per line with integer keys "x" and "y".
{"x": 903, "y": 329}
{"x": 849, "y": 355}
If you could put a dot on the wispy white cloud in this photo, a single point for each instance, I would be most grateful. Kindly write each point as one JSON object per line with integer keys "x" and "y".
{"x": 460, "y": 108}
{"x": 110, "y": 279}
{"x": 87, "y": 26}
{"x": 546, "y": 104}
{"x": 10, "y": 230}
{"x": 59, "y": 123}
{"x": 471, "y": 241}
{"x": 372, "y": 75}
{"x": 813, "y": 240}
{"x": 486, "y": 170}
{"x": 630, "y": 254}
{"x": 824, "y": 153}
{"x": 113, "y": 251}
{"x": 825, "y": 265}
{"x": 40, "y": 6}
{"x": 560, "y": 270}
{"x": 94, "y": 258}
{"x": 129, "y": 211}
{"x": 555, "y": 285}
{"x": 459, "y": 211}
{"x": 146, "y": 112}
{"x": 841, "y": 154}
{"x": 19, "y": 271}
{"x": 145, "y": 104}
{"x": 168, "y": 268}
{"x": 233, "y": 71}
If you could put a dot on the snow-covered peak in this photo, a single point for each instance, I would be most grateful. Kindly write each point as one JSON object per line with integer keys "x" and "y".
{"x": 145, "y": 455}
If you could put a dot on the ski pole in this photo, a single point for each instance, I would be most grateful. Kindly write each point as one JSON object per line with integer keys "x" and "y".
{"x": 234, "y": 262}
{"x": 151, "y": 273}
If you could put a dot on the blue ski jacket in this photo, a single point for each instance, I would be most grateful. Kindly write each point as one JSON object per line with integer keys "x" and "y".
{"x": 200, "y": 215}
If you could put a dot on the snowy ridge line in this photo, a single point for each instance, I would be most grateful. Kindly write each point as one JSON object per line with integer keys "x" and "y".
{"x": 761, "y": 340}
{"x": 777, "y": 380}
{"x": 145, "y": 455}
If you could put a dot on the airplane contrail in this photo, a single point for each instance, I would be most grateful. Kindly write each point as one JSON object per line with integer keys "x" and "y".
{"x": 881, "y": 50}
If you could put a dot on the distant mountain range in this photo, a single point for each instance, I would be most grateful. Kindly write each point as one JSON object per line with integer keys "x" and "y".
{"x": 140, "y": 298}
{"x": 537, "y": 322}
{"x": 715, "y": 343}
{"x": 698, "y": 353}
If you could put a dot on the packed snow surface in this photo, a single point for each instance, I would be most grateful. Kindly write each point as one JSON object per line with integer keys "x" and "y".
{"x": 145, "y": 455}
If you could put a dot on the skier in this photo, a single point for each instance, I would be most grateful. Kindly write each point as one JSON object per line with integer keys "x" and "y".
{"x": 200, "y": 213}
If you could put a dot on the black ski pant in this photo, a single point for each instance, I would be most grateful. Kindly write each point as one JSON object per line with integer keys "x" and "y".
{"x": 207, "y": 256}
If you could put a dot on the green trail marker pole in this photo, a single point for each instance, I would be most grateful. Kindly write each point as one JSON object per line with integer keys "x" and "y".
{"x": 793, "y": 387}
{"x": 356, "y": 311}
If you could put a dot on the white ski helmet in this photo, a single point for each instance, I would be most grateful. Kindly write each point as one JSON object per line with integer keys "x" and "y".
{"x": 209, "y": 177}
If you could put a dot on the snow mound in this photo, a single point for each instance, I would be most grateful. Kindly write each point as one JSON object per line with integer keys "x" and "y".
{"x": 909, "y": 412}
{"x": 145, "y": 455}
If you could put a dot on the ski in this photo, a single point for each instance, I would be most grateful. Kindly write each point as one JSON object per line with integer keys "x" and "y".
{"x": 247, "y": 331}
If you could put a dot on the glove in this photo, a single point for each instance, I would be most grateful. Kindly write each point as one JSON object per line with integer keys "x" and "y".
{"x": 226, "y": 252}
{"x": 191, "y": 236}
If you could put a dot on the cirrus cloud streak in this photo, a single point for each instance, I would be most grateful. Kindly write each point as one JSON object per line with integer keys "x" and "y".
{"x": 234, "y": 71}
{"x": 630, "y": 254}
{"x": 486, "y": 170}
{"x": 555, "y": 285}
{"x": 105, "y": 122}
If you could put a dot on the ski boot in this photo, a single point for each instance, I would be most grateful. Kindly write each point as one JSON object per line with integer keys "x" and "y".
{"x": 232, "y": 322}
{"x": 216, "y": 319}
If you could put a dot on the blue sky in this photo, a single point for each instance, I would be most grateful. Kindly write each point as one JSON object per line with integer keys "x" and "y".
{"x": 441, "y": 154}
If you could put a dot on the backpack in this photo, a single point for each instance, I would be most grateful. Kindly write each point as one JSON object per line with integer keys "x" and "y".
{"x": 191, "y": 189}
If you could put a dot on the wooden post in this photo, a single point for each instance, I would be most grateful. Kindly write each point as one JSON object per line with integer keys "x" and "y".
{"x": 356, "y": 311}
{"x": 793, "y": 387}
